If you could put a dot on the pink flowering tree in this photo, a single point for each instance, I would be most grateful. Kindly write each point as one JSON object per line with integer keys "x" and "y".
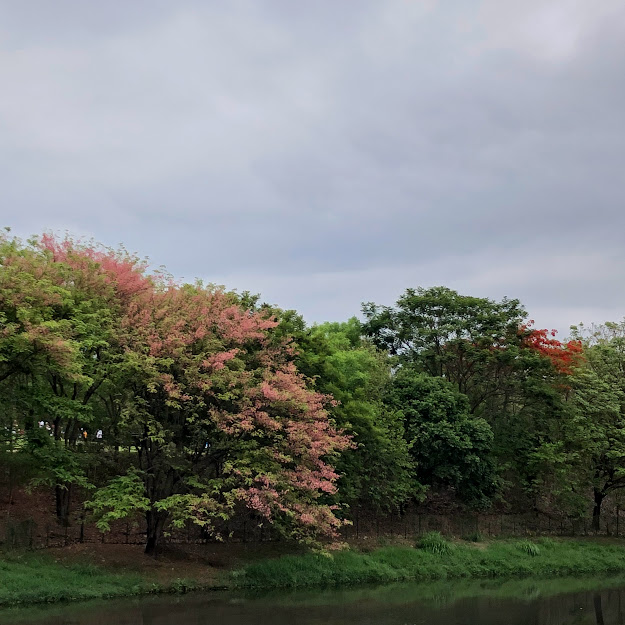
{"x": 220, "y": 418}
{"x": 88, "y": 290}
{"x": 197, "y": 386}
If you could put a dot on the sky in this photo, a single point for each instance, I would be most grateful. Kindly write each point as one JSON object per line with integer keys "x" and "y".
{"x": 327, "y": 153}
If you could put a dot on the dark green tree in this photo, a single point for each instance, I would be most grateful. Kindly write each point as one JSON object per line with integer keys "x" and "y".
{"x": 511, "y": 375}
{"x": 451, "y": 447}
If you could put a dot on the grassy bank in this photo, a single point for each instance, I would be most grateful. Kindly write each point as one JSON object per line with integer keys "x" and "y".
{"x": 29, "y": 579}
{"x": 35, "y": 579}
{"x": 436, "y": 559}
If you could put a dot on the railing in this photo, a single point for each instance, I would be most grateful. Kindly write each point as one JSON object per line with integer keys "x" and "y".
{"x": 29, "y": 534}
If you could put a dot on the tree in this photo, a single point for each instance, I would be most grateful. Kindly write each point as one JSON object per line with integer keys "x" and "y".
{"x": 464, "y": 339}
{"x": 32, "y": 325}
{"x": 512, "y": 375}
{"x": 596, "y": 431}
{"x": 220, "y": 417}
{"x": 37, "y": 340}
{"x": 451, "y": 448}
{"x": 189, "y": 376}
{"x": 98, "y": 283}
{"x": 377, "y": 471}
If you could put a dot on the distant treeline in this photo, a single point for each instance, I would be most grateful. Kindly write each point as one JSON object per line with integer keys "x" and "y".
{"x": 187, "y": 403}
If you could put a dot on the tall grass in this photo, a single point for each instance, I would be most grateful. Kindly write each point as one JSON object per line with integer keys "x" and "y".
{"x": 435, "y": 543}
{"x": 391, "y": 564}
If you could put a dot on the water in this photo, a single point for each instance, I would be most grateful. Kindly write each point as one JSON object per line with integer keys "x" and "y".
{"x": 536, "y": 602}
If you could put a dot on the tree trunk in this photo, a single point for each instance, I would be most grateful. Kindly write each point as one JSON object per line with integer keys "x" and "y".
{"x": 155, "y": 521}
{"x": 63, "y": 493}
{"x": 596, "y": 513}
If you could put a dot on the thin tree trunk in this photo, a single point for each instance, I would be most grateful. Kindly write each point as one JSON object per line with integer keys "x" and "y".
{"x": 63, "y": 495}
{"x": 596, "y": 513}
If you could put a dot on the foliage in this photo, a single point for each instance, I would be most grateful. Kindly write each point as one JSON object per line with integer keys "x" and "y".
{"x": 450, "y": 447}
{"x": 514, "y": 377}
{"x": 377, "y": 470}
{"x": 188, "y": 403}
{"x": 186, "y": 374}
{"x": 219, "y": 415}
{"x": 460, "y": 338}
{"x": 123, "y": 497}
{"x": 595, "y": 430}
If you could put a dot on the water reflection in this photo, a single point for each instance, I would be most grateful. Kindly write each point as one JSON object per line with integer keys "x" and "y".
{"x": 526, "y": 602}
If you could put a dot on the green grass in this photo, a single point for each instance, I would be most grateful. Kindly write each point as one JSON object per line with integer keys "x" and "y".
{"x": 33, "y": 578}
{"x": 28, "y": 578}
{"x": 514, "y": 558}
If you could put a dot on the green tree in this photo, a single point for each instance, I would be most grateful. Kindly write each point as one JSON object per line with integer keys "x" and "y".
{"x": 596, "y": 429}
{"x": 467, "y": 340}
{"x": 512, "y": 375}
{"x": 451, "y": 448}
{"x": 376, "y": 472}
{"x": 33, "y": 328}
{"x": 73, "y": 295}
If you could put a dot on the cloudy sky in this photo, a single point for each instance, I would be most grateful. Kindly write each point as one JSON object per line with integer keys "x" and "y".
{"x": 331, "y": 152}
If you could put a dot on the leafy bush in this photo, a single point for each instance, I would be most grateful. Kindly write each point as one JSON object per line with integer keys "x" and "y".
{"x": 434, "y": 542}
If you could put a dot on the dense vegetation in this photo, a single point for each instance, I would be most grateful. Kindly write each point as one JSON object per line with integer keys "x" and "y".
{"x": 129, "y": 394}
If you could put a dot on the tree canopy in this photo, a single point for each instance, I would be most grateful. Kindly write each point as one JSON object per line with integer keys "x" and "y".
{"x": 127, "y": 393}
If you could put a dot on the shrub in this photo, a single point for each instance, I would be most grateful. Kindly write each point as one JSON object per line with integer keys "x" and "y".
{"x": 434, "y": 542}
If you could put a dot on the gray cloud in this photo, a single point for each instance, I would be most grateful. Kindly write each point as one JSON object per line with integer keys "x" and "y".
{"x": 329, "y": 153}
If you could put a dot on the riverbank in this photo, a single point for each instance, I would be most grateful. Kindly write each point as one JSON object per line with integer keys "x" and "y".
{"x": 98, "y": 572}
{"x": 29, "y": 579}
{"x": 436, "y": 559}
{"x": 101, "y": 571}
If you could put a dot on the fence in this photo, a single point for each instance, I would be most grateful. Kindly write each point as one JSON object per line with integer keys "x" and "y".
{"x": 484, "y": 525}
{"x": 31, "y": 535}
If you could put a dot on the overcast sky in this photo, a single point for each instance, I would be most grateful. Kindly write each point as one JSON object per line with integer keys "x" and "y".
{"x": 331, "y": 152}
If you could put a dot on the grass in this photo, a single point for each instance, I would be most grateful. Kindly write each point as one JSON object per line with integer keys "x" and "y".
{"x": 32, "y": 578}
{"x": 431, "y": 561}
{"x": 29, "y": 579}
{"x": 435, "y": 543}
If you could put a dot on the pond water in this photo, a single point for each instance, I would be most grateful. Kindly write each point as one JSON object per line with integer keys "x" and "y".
{"x": 535, "y": 602}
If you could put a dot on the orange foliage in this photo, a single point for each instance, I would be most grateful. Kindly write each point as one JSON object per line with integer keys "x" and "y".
{"x": 563, "y": 356}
